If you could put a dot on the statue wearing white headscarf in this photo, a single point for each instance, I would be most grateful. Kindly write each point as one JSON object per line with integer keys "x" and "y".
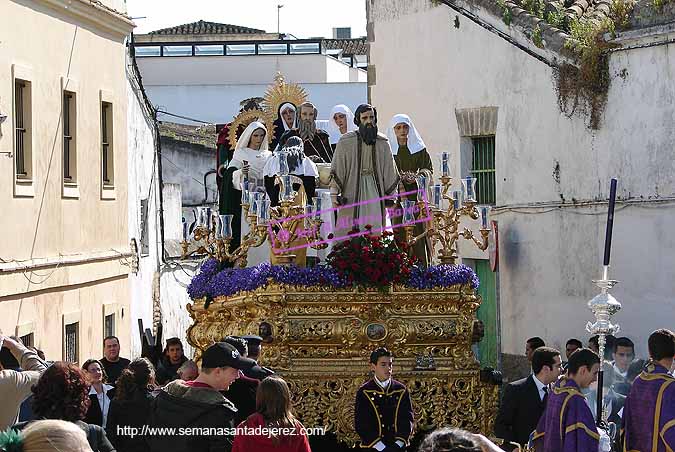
{"x": 341, "y": 121}
{"x": 287, "y": 119}
{"x": 250, "y": 156}
{"x": 412, "y": 159}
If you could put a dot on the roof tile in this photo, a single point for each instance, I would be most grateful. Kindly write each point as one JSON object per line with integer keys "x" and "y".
{"x": 206, "y": 28}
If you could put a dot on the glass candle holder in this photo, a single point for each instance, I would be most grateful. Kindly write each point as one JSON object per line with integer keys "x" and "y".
{"x": 437, "y": 196}
{"x": 309, "y": 214}
{"x": 484, "y": 217}
{"x": 209, "y": 219}
{"x": 283, "y": 164}
{"x": 456, "y": 201}
{"x": 226, "y": 226}
{"x": 445, "y": 164}
{"x": 287, "y": 188}
{"x": 408, "y": 211}
{"x": 217, "y": 228}
{"x": 263, "y": 211}
{"x": 317, "y": 201}
{"x": 422, "y": 188}
{"x": 469, "y": 188}
{"x": 201, "y": 217}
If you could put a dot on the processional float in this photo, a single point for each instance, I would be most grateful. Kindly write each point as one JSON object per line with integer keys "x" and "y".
{"x": 318, "y": 331}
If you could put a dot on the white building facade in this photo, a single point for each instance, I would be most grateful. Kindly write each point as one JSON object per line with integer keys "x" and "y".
{"x": 204, "y": 70}
{"x": 551, "y": 172}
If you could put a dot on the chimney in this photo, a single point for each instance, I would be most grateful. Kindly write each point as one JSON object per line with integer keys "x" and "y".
{"x": 342, "y": 33}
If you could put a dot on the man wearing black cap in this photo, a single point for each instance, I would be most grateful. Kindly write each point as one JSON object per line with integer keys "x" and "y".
{"x": 254, "y": 347}
{"x": 242, "y": 392}
{"x": 196, "y": 409}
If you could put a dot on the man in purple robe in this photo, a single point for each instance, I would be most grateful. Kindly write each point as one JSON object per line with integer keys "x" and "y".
{"x": 567, "y": 424}
{"x": 649, "y": 412}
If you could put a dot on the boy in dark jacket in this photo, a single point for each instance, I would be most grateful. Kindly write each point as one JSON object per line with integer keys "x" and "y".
{"x": 196, "y": 409}
{"x": 383, "y": 415}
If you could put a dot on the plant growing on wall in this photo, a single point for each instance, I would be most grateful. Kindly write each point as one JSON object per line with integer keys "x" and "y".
{"x": 506, "y": 12}
{"x": 536, "y": 37}
{"x": 583, "y": 88}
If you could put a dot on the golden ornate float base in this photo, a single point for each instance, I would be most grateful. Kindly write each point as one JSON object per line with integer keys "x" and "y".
{"x": 320, "y": 340}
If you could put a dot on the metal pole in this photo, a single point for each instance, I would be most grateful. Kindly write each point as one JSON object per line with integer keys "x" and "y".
{"x": 599, "y": 393}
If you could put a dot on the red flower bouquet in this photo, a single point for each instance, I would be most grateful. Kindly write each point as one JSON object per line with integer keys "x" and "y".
{"x": 372, "y": 261}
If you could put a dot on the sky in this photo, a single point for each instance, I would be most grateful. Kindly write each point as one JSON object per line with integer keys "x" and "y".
{"x": 302, "y": 18}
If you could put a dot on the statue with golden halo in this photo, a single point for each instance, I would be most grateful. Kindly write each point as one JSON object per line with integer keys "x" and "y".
{"x": 281, "y": 104}
{"x": 229, "y": 196}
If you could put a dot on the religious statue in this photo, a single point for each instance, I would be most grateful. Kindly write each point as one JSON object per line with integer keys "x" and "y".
{"x": 245, "y": 172}
{"x": 363, "y": 172}
{"x": 341, "y": 121}
{"x": 412, "y": 159}
{"x": 290, "y": 159}
{"x": 287, "y": 119}
{"x": 317, "y": 146}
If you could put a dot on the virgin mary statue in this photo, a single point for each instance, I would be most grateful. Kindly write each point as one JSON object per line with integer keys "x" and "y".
{"x": 245, "y": 170}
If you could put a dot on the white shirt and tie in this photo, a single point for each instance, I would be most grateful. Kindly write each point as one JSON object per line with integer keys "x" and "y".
{"x": 541, "y": 387}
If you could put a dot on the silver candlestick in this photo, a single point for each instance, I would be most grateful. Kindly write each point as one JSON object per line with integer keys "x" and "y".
{"x": 603, "y": 306}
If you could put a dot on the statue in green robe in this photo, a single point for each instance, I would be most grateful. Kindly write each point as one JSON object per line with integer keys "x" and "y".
{"x": 412, "y": 159}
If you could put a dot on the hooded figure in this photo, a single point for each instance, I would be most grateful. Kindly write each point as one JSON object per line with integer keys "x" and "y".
{"x": 412, "y": 159}
{"x": 287, "y": 119}
{"x": 291, "y": 159}
{"x": 293, "y": 156}
{"x": 232, "y": 181}
{"x": 344, "y": 115}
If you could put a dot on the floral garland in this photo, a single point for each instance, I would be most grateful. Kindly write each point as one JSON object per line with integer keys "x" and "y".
{"x": 211, "y": 283}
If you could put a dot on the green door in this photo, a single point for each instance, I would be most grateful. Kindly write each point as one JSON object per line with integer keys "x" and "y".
{"x": 488, "y": 348}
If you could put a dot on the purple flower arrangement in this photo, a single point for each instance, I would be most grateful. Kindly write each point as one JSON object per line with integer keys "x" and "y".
{"x": 211, "y": 283}
{"x": 441, "y": 276}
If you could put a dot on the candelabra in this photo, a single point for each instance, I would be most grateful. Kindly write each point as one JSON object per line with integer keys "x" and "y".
{"x": 443, "y": 225}
{"x": 291, "y": 223}
{"x": 604, "y": 306}
{"x": 280, "y": 225}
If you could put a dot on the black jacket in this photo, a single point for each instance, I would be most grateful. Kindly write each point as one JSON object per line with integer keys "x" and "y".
{"x": 258, "y": 372}
{"x": 519, "y": 412}
{"x": 183, "y": 407}
{"x": 242, "y": 394}
{"x": 95, "y": 413}
{"x": 96, "y": 436}
{"x": 167, "y": 372}
{"x": 383, "y": 414}
{"x": 129, "y": 413}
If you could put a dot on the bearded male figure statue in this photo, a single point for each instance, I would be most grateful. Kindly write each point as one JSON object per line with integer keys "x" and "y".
{"x": 316, "y": 143}
{"x": 363, "y": 171}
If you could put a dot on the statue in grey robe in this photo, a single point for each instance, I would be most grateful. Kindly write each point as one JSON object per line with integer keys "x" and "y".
{"x": 363, "y": 172}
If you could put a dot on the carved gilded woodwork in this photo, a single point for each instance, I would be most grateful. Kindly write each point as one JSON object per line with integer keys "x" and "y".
{"x": 321, "y": 340}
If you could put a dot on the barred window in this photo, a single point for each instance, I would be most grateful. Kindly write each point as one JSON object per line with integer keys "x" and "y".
{"x": 109, "y": 325}
{"x": 107, "y": 166}
{"x": 69, "y": 135}
{"x": 483, "y": 169}
{"x": 71, "y": 345}
{"x": 22, "y": 128}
